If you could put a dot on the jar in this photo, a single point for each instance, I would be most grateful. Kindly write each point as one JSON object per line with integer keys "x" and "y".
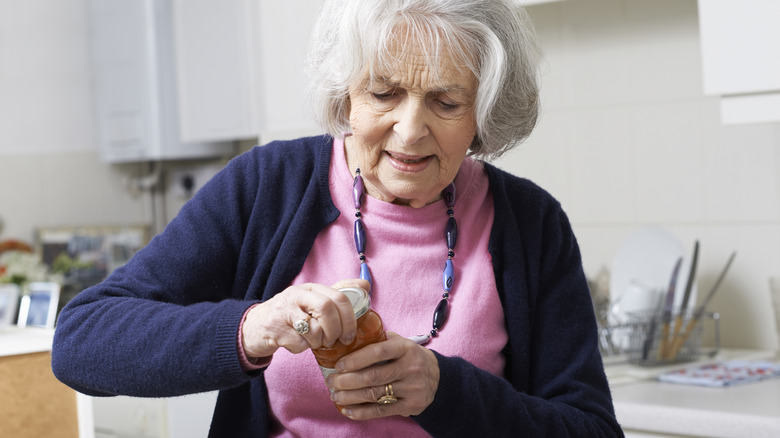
{"x": 369, "y": 331}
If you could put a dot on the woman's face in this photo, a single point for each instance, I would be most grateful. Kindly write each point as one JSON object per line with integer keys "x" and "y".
{"x": 411, "y": 129}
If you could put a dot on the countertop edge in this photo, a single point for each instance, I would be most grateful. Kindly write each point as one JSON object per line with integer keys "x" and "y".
{"x": 14, "y": 341}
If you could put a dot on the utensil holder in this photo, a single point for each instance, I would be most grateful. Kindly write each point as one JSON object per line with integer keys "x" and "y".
{"x": 646, "y": 340}
{"x": 653, "y": 341}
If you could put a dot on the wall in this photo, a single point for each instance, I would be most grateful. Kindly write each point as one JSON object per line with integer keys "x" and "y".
{"x": 50, "y": 174}
{"x": 627, "y": 139}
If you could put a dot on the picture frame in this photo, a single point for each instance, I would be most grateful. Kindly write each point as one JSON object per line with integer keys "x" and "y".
{"x": 38, "y": 307}
{"x": 87, "y": 254}
{"x": 9, "y": 301}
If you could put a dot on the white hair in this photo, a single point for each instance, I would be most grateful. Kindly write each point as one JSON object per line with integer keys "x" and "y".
{"x": 493, "y": 38}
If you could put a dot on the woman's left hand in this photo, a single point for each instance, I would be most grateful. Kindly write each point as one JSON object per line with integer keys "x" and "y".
{"x": 362, "y": 376}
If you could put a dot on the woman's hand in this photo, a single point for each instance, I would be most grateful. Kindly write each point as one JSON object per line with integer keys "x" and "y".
{"x": 411, "y": 369}
{"x": 270, "y": 325}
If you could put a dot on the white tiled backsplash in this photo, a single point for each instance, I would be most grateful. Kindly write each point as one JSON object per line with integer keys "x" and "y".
{"x": 627, "y": 139}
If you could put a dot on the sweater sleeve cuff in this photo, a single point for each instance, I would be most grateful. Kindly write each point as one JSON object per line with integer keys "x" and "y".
{"x": 249, "y": 364}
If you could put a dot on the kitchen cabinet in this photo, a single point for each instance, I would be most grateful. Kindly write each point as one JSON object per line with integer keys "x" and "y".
{"x": 174, "y": 417}
{"x": 740, "y": 42}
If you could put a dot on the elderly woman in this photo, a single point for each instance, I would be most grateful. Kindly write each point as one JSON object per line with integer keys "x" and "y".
{"x": 242, "y": 285}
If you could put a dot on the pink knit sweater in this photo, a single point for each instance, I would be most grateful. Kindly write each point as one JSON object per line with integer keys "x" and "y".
{"x": 406, "y": 251}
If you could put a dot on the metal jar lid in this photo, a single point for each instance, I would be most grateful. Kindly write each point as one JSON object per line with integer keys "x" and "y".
{"x": 359, "y": 299}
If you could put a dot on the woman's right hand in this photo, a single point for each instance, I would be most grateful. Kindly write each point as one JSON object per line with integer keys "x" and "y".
{"x": 269, "y": 325}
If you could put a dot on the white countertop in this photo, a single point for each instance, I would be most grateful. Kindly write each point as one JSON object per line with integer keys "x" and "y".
{"x": 744, "y": 410}
{"x": 14, "y": 340}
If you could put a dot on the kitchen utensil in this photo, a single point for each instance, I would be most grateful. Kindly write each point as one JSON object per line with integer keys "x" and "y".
{"x": 700, "y": 310}
{"x": 647, "y": 347}
{"x": 684, "y": 306}
{"x": 667, "y": 314}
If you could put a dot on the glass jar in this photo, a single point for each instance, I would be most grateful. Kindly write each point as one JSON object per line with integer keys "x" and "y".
{"x": 369, "y": 331}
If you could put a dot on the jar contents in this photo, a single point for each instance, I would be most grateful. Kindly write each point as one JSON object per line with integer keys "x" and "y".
{"x": 369, "y": 331}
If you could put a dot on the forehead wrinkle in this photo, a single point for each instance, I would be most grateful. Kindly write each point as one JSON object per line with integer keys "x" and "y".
{"x": 408, "y": 51}
{"x": 415, "y": 75}
{"x": 438, "y": 88}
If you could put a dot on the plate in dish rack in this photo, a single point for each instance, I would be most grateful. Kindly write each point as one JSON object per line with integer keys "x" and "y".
{"x": 645, "y": 262}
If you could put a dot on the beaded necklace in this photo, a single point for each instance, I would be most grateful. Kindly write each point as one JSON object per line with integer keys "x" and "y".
{"x": 451, "y": 234}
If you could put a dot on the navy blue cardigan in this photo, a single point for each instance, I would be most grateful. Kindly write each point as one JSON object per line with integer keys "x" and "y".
{"x": 166, "y": 323}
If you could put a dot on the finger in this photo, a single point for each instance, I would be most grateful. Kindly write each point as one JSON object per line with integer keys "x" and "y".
{"x": 410, "y": 400}
{"x": 370, "y": 411}
{"x": 333, "y": 312}
{"x": 394, "y": 347}
{"x": 294, "y": 340}
{"x": 309, "y": 328}
{"x": 347, "y": 312}
{"x": 371, "y": 394}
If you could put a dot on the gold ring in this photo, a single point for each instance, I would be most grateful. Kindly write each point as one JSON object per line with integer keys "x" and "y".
{"x": 388, "y": 398}
{"x": 302, "y": 325}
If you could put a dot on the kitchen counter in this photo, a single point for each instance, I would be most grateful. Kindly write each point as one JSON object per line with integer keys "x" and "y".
{"x": 644, "y": 405}
{"x": 14, "y": 340}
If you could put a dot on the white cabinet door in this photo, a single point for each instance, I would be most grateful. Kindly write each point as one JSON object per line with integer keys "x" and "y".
{"x": 740, "y": 44}
{"x": 187, "y": 416}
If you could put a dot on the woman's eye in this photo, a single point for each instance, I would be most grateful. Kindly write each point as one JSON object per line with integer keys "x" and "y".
{"x": 448, "y": 105}
{"x": 382, "y": 95}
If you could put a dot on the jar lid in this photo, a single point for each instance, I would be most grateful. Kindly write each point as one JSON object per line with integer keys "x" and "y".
{"x": 359, "y": 299}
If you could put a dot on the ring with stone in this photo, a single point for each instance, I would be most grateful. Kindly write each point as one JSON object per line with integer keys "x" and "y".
{"x": 388, "y": 398}
{"x": 302, "y": 325}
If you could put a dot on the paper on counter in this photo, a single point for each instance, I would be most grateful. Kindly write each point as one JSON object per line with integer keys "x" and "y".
{"x": 723, "y": 374}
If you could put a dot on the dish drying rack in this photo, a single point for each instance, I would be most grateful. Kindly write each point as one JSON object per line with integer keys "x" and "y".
{"x": 648, "y": 339}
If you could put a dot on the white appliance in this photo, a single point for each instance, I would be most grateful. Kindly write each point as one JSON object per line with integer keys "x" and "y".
{"x": 173, "y": 78}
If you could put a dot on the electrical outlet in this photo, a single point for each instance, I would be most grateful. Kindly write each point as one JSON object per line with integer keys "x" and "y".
{"x": 185, "y": 181}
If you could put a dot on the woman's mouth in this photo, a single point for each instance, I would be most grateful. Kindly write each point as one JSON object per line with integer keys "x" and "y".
{"x": 407, "y": 160}
{"x": 409, "y": 163}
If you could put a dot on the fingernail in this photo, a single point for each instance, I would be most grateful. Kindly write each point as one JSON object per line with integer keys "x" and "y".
{"x": 349, "y": 338}
{"x": 340, "y": 366}
{"x": 347, "y": 412}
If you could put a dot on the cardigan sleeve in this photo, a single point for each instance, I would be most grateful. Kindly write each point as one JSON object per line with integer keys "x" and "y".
{"x": 555, "y": 383}
{"x": 165, "y": 324}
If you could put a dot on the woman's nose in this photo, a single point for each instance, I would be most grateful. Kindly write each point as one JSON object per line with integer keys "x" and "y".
{"x": 411, "y": 125}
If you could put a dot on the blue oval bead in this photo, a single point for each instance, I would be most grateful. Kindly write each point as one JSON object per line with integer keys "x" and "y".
{"x": 365, "y": 274}
{"x": 452, "y": 232}
{"x": 449, "y": 195}
{"x": 449, "y": 275}
{"x": 440, "y": 315}
{"x": 357, "y": 191}
{"x": 360, "y": 236}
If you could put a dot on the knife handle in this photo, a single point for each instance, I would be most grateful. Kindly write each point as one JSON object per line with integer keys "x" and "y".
{"x": 678, "y": 342}
{"x": 678, "y": 322}
{"x": 664, "y": 336}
